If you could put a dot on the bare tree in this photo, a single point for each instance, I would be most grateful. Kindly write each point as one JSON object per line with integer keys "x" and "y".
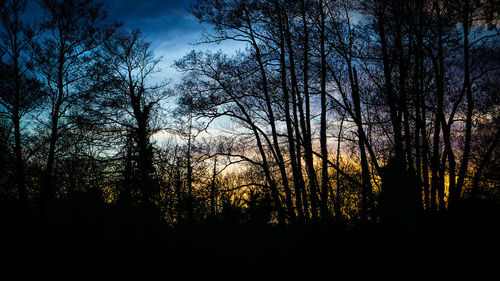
{"x": 128, "y": 100}
{"x": 72, "y": 32}
{"x": 20, "y": 91}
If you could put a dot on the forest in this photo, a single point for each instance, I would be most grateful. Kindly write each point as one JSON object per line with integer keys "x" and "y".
{"x": 344, "y": 134}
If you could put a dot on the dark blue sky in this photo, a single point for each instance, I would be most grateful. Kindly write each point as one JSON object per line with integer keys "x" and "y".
{"x": 166, "y": 23}
{"x": 168, "y": 19}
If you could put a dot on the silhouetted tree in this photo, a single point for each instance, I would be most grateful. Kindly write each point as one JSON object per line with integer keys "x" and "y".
{"x": 130, "y": 101}
{"x": 72, "y": 32}
{"x": 20, "y": 91}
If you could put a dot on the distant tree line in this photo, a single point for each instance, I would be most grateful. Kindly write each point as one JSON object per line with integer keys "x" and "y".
{"x": 353, "y": 111}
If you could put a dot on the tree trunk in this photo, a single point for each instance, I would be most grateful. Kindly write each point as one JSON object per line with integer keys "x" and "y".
{"x": 306, "y": 124}
{"x": 325, "y": 214}
{"x": 16, "y": 118}
{"x": 470, "y": 106}
{"x": 212, "y": 189}
{"x": 301, "y": 197}
{"x": 272, "y": 122}
{"x": 391, "y": 98}
{"x": 366, "y": 189}
{"x": 289, "y": 126}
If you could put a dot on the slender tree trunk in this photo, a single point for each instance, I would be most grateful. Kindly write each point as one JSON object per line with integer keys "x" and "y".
{"x": 16, "y": 118}
{"x": 339, "y": 189}
{"x": 212, "y": 189}
{"x": 418, "y": 126}
{"x": 421, "y": 126}
{"x": 366, "y": 189}
{"x": 47, "y": 185}
{"x": 301, "y": 196}
{"x": 289, "y": 126}
{"x": 425, "y": 157}
{"x": 272, "y": 184}
{"x": 323, "y": 140}
{"x": 308, "y": 153}
{"x": 189, "y": 173}
{"x": 413, "y": 187}
{"x": 272, "y": 122}
{"x": 126, "y": 192}
{"x": 438, "y": 168}
{"x": 470, "y": 106}
{"x": 391, "y": 97}
{"x": 448, "y": 150}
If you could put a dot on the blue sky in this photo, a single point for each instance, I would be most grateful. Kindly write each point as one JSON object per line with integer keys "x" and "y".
{"x": 172, "y": 30}
{"x": 166, "y": 23}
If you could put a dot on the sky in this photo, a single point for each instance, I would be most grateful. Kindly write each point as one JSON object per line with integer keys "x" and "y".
{"x": 170, "y": 27}
{"x": 168, "y": 24}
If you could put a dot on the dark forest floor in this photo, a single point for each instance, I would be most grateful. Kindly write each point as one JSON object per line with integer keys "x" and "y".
{"x": 96, "y": 242}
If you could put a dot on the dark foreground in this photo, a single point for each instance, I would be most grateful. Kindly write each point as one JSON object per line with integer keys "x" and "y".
{"x": 98, "y": 242}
